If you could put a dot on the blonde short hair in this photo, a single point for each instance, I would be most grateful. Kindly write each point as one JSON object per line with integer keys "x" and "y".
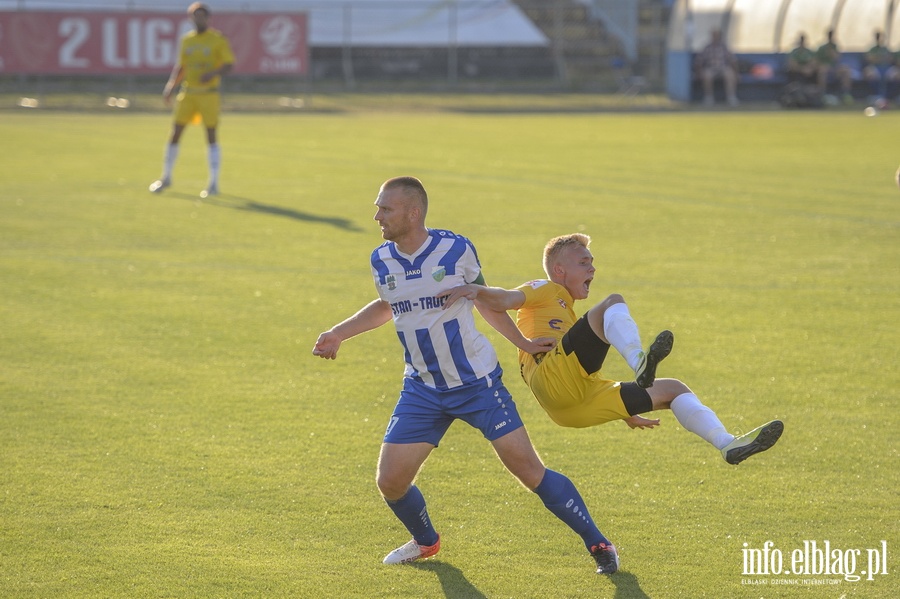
{"x": 198, "y": 6}
{"x": 556, "y": 246}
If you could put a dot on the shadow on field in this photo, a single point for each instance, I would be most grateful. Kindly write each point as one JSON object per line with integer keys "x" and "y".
{"x": 627, "y": 586}
{"x": 248, "y": 205}
{"x": 453, "y": 581}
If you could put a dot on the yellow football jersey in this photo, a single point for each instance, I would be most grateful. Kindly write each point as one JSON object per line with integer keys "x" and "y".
{"x": 202, "y": 53}
{"x": 569, "y": 395}
{"x": 547, "y": 311}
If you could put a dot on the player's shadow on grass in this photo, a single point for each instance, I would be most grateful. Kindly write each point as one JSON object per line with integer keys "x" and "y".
{"x": 456, "y": 586}
{"x": 453, "y": 581}
{"x": 246, "y": 204}
{"x": 627, "y": 586}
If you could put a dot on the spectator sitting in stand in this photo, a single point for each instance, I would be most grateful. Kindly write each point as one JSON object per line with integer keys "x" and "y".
{"x": 880, "y": 69}
{"x": 829, "y": 58}
{"x": 716, "y": 60}
{"x": 802, "y": 66}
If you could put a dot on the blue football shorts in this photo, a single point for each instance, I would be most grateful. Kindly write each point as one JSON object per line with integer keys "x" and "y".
{"x": 423, "y": 414}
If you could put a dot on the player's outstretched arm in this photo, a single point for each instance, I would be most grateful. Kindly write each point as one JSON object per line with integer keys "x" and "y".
{"x": 372, "y": 316}
{"x": 495, "y": 298}
{"x": 492, "y": 303}
{"x": 504, "y": 325}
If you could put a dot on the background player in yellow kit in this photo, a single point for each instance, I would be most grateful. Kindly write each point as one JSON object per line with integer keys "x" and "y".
{"x": 567, "y": 381}
{"x": 204, "y": 57}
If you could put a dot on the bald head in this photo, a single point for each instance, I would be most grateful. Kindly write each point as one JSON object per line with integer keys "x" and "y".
{"x": 412, "y": 190}
{"x": 402, "y": 204}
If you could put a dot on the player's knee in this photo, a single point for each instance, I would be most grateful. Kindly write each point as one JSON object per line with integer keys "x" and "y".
{"x": 614, "y": 298}
{"x": 606, "y": 303}
{"x": 674, "y": 388}
{"x": 391, "y": 487}
{"x": 530, "y": 475}
{"x": 664, "y": 391}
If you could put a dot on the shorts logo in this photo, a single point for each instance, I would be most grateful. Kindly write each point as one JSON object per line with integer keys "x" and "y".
{"x": 391, "y": 424}
{"x": 438, "y": 273}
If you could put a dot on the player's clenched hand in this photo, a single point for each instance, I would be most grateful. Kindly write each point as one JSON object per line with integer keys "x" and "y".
{"x": 327, "y": 345}
{"x": 638, "y": 421}
{"x": 469, "y": 292}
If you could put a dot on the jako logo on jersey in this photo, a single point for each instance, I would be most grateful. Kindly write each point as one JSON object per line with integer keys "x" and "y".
{"x": 391, "y": 281}
{"x": 414, "y": 272}
{"x": 438, "y": 273}
{"x": 554, "y": 324}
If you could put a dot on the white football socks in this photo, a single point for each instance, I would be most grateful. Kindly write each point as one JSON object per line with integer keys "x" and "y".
{"x": 700, "y": 420}
{"x": 214, "y": 157}
{"x": 171, "y": 155}
{"x": 622, "y": 333}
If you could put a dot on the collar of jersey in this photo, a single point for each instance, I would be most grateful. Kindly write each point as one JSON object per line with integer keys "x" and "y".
{"x": 416, "y": 264}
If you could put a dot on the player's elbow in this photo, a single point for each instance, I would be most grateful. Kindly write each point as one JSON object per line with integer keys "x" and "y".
{"x": 487, "y": 306}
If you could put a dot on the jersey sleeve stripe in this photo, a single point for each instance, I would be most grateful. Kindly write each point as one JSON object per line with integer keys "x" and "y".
{"x": 453, "y": 255}
{"x": 380, "y": 268}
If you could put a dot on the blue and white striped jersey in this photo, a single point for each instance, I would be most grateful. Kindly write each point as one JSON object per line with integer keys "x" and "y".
{"x": 443, "y": 348}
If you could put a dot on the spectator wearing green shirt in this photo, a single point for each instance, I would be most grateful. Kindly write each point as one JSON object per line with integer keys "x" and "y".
{"x": 829, "y": 58}
{"x": 880, "y": 69}
{"x": 802, "y": 66}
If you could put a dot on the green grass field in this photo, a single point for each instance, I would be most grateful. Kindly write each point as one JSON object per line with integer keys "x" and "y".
{"x": 166, "y": 432}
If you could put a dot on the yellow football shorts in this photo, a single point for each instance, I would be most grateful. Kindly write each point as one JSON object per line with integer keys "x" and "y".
{"x": 569, "y": 395}
{"x": 203, "y": 105}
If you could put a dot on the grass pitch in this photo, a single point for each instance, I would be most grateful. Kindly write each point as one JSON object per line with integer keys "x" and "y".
{"x": 165, "y": 431}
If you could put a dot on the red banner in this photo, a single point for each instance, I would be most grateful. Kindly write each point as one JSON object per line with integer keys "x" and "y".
{"x": 93, "y": 43}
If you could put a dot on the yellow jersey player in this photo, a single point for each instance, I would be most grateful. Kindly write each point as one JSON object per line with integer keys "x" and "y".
{"x": 567, "y": 381}
{"x": 204, "y": 57}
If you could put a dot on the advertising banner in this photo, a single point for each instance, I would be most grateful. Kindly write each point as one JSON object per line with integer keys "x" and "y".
{"x": 95, "y": 43}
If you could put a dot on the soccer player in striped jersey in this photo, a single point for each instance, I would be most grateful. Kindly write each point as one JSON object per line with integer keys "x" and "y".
{"x": 567, "y": 381}
{"x": 204, "y": 57}
{"x": 451, "y": 372}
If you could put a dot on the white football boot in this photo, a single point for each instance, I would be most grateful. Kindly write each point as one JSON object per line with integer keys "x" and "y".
{"x": 411, "y": 552}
